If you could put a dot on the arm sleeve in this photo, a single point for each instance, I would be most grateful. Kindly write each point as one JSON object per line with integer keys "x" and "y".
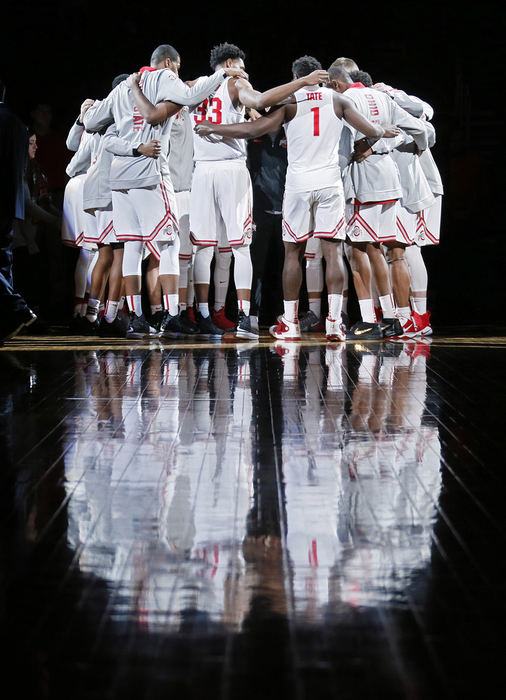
{"x": 74, "y": 137}
{"x": 411, "y": 125}
{"x": 99, "y": 115}
{"x": 114, "y": 144}
{"x": 174, "y": 90}
{"x": 413, "y": 105}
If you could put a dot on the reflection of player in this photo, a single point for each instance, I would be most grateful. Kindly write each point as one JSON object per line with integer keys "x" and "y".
{"x": 313, "y": 124}
{"x": 390, "y": 479}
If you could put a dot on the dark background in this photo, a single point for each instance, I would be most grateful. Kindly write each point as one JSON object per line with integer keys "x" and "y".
{"x": 61, "y": 53}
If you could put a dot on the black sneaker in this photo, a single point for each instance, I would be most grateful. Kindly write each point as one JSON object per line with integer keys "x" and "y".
{"x": 114, "y": 329}
{"x": 139, "y": 327}
{"x": 157, "y": 320}
{"x": 390, "y": 327}
{"x": 189, "y": 328}
{"x": 207, "y": 327}
{"x": 246, "y": 328}
{"x": 11, "y": 325}
{"x": 310, "y": 323}
{"x": 171, "y": 326}
{"x": 365, "y": 331}
{"x": 89, "y": 327}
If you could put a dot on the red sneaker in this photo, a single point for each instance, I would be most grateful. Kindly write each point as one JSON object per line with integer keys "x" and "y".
{"x": 221, "y": 321}
{"x": 423, "y": 323}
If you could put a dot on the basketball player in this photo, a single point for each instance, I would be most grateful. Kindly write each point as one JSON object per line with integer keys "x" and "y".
{"x": 372, "y": 188}
{"x": 72, "y": 232}
{"x": 143, "y": 196}
{"x": 221, "y": 196}
{"x": 429, "y": 218}
{"x": 314, "y": 201}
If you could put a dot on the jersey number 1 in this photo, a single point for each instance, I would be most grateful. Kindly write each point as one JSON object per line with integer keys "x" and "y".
{"x": 316, "y": 124}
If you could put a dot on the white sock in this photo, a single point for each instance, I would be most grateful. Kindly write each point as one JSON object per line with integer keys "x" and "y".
{"x": 171, "y": 303}
{"x": 367, "y": 310}
{"x": 243, "y": 305}
{"x": 134, "y": 302}
{"x": 404, "y": 312}
{"x": 155, "y": 308}
{"x": 335, "y": 306}
{"x": 183, "y": 305}
{"x": 419, "y": 304}
{"x": 204, "y": 309}
{"x": 291, "y": 310}
{"x": 387, "y": 306}
{"x": 315, "y": 305}
{"x": 111, "y": 311}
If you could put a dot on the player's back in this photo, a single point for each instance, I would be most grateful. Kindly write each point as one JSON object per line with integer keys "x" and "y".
{"x": 313, "y": 141}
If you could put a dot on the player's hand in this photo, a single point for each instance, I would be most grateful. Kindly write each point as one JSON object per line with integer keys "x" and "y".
{"x": 151, "y": 149}
{"x": 359, "y": 157}
{"x": 391, "y": 131}
{"x": 236, "y": 73}
{"x": 133, "y": 79}
{"x": 253, "y": 114}
{"x": 317, "y": 76}
{"x": 204, "y": 128}
{"x": 85, "y": 107}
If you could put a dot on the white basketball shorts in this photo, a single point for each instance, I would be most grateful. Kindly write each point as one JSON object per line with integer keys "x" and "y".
{"x": 145, "y": 213}
{"x": 221, "y": 203}
{"x": 318, "y": 213}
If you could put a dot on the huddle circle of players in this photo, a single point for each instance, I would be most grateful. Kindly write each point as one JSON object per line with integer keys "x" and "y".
{"x": 159, "y": 172}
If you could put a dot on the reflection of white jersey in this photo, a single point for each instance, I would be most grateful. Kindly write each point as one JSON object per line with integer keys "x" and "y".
{"x": 313, "y": 139}
{"x": 219, "y": 109}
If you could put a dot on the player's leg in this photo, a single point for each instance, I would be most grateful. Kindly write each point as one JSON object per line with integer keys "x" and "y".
{"x": 311, "y": 320}
{"x": 419, "y": 284}
{"x": 401, "y": 285}
{"x": 221, "y": 277}
{"x": 288, "y": 327}
{"x": 334, "y": 277}
{"x": 98, "y": 283}
{"x": 247, "y": 327}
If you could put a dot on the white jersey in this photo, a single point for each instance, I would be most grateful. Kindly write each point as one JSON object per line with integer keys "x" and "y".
{"x": 97, "y": 186}
{"x": 157, "y": 85}
{"x": 376, "y": 179}
{"x": 313, "y": 142}
{"x": 219, "y": 109}
{"x": 419, "y": 108}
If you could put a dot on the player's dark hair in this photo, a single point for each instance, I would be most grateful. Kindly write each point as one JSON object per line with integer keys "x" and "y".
{"x": 221, "y": 52}
{"x": 119, "y": 79}
{"x": 162, "y": 52}
{"x": 305, "y": 65}
{"x": 360, "y": 76}
{"x": 339, "y": 73}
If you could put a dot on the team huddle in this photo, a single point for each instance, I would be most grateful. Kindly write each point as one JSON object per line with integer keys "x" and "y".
{"x": 160, "y": 175}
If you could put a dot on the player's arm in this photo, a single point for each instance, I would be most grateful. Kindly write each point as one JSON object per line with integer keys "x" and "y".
{"x": 244, "y": 130}
{"x": 414, "y": 105}
{"x": 76, "y": 131}
{"x": 261, "y": 100}
{"x": 152, "y": 114}
{"x": 344, "y": 107}
{"x": 121, "y": 147}
{"x": 411, "y": 125}
{"x": 99, "y": 115}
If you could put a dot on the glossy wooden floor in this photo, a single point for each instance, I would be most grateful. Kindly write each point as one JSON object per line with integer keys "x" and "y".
{"x": 268, "y": 520}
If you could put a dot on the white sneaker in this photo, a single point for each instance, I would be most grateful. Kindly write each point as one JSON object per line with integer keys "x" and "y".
{"x": 285, "y": 330}
{"x": 334, "y": 330}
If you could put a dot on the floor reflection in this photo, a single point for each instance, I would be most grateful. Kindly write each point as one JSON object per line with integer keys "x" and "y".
{"x": 201, "y": 482}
